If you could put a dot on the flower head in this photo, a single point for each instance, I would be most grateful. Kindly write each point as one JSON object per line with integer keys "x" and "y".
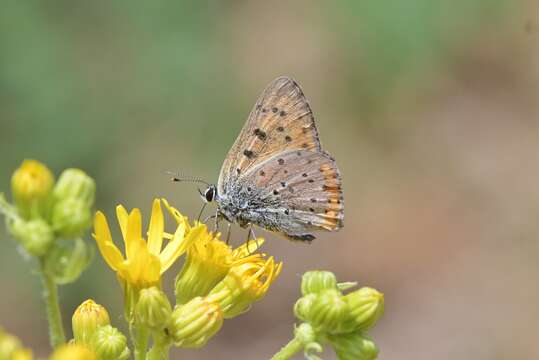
{"x": 366, "y": 306}
{"x": 110, "y": 344}
{"x": 31, "y": 185}
{"x": 86, "y": 319}
{"x": 194, "y": 323}
{"x": 354, "y": 346}
{"x": 209, "y": 260}
{"x": 73, "y": 352}
{"x": 245, "y": 283}
{"x": 153, "y": 308}
{"x": 144, "y": 261}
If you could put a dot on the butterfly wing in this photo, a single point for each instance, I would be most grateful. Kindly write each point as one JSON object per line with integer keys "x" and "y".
{"x": 301, "y": 192}
{"x": 281, "y": 120}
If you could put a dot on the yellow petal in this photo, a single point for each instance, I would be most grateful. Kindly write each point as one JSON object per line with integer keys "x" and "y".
{"x": 155, "y": 231}
{"x": 180, "y": 219}
{"x": 179, "y": 245}
{"x": 122, "y": 216}
{"x": 248, "y": 247}
{"x": 153, "y": 272}
{"x": 134, "y": 231}
{"x": 108, "y": 250}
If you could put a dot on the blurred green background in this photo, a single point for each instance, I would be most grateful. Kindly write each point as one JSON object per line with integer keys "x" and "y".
{"x": 430, "y": 108}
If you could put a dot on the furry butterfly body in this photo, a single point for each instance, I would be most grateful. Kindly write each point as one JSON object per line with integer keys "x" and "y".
{"x": 276, "y": 174}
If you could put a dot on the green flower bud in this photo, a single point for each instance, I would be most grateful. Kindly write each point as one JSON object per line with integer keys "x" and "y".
{"x": 86, "y": 319}
{"x": 8, "y": 345}
{"x": 303, "y": 306}
{"x": 71, "y": 217}
{"x": 353, "y": 346}
{"x": 73, "y": 352}
{"x": 195, "y": 322}
{"x": 365, "y": 307}
{"x": 316, "y": 281}
{"x": 35, "y": 236}
{"x": 110, "y": 344}
{"x": 328, "y": 310}
{"x": 67, "y": 259}
{"x": 31, "y": 186}
{"x": 75, "y": 184}
{"x": 153, "y": 308}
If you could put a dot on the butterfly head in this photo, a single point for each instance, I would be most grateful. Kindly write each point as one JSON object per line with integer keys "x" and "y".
{"x": 209, "y": 194}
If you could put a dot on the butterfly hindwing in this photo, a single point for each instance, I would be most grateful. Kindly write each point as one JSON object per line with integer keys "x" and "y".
{"x": 281, "y": 120}
{"x": 302, "y": 190}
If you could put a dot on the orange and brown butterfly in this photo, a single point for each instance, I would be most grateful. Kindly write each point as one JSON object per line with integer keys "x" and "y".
{"x": 276, "y": 175}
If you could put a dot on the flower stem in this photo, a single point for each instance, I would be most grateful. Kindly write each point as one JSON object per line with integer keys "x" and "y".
{"x": 159, "y": 350}
{"x": 50, "y": 295}
{"x": 139, "y": 336}
{"x": 288, "y": 350}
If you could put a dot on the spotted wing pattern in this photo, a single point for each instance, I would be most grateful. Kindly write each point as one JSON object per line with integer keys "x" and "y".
{"x": 301, "y": 190}
{"x": 281, "y": 120}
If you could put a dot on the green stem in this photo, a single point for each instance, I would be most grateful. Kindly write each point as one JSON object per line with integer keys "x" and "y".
{"x": 288, "y": 350}
{"x": 159, "y": 350}
{"x": 50, "y": 295}
{"x": 139, "y": 336}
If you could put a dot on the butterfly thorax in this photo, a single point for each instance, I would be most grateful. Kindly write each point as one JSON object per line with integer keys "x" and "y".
{"x": 244, "y": 207}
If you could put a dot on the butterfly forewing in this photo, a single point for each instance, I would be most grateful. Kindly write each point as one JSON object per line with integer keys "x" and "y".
{"x": 281, "y": 120}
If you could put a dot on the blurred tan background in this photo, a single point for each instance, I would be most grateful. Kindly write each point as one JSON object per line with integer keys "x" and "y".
{"x": 430, "y": 108}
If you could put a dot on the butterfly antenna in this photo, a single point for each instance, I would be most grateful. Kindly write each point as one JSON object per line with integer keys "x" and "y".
{"x": 180, "y": 178}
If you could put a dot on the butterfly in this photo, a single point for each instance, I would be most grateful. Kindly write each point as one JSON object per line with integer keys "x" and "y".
{"x": 276, "y": 175}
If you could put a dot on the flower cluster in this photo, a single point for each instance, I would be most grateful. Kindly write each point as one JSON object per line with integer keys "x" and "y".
{"x": 93, "y": 336}
{"x": 329, "y": 316}
{"x": 215, "y": 283}
{"x": 48, "y": 220}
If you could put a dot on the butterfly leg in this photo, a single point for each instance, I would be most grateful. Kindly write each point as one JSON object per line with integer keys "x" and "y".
{"x": 201, "y": 211}
{"x": 249, "y": 233}
{"x": 217, "y": 218}
{"x": 228, "y": 233}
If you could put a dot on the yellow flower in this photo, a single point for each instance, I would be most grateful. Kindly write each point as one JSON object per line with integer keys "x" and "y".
{"x": 73, "y": 352}
{"x": 245, "y": 283}
{"x": 144, "y": 261}
{"x": 208, "y": 261}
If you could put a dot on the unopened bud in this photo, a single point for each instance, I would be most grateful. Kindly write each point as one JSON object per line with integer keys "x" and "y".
{"x": 353, "y": 346}
{"x": 67, "y": 259}
{"x": 72, "y": 352}
{"x": 31, "y": 186}
{"x": 22, "y": 354}
{"x": 365, "y": 307}
{"x": 327, "y": 310}
{"x": 86, "y": 319}
{"x": 8, "y": 345}
{"x": 316, "y": 281}
{"x": 75, "y": 184}
{"x": 110, "y": 344}
{"x": 195, "y": 322}
{"x": 303, "y": 306}
{"x": 153, "y": 308}
{"x": 35, "y": 236}
{"x": 71, "y": 218}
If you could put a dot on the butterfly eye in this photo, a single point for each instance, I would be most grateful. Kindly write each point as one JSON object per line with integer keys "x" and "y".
{"x": 209, "y": 194}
